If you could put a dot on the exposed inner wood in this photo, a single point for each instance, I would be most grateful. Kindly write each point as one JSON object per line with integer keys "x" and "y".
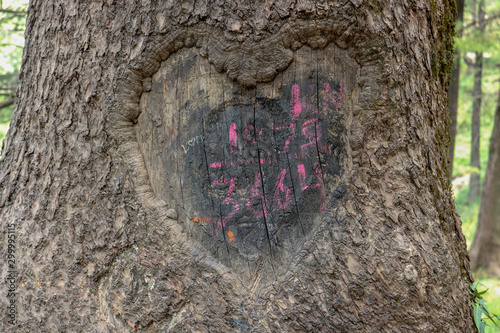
{"x": 254, "y": 167}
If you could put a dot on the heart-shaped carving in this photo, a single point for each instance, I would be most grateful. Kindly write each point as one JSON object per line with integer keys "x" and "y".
{"x": 251, "y": 170}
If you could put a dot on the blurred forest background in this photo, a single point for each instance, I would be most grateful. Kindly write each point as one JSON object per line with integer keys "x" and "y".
{"x": 473, "y": 104}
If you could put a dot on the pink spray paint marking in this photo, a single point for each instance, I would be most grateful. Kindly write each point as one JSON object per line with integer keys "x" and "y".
{"x": 280, "y": 187}
{"x": 314, "y": 136}
{"x": 283, "y": 196}
{"x": 296, "y": 106}
{"x": 302, "y": 177}
{"x": 229, "y": 192}
{"x": 305, "y": 147}
{"x": 282, "y": 126}
{"x": 319, "y": 176}
{"x": 220, "y": 181}
{"x": 233, "y": 138}
{"x": 290, "y": 138}
{"x": 306, "y": 132}
{"x": 216, "y": 165}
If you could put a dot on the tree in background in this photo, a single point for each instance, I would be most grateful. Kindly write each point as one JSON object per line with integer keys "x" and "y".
{"x": 485, "y": 248}
{"x": 478, "y": 16}
{"x": 469, "y": 211}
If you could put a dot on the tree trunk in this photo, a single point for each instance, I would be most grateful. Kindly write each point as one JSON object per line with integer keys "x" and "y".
{"x": 233, "y": 167}
{"x": 485, "y": 248}
{"x": 477, "y": 96}
{"x": 475, "y": 160}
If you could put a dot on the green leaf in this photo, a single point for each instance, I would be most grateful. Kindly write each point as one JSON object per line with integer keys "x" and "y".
{"x": 482, "y": 327}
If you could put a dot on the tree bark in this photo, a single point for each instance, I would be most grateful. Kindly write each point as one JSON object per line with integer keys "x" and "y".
{"x": 454, "y": 90}
{"x": 485, "y": 248}
{"x": 229, "y": 166}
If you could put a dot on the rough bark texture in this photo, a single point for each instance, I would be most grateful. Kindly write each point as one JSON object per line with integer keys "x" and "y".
{"x": 485, "y": 248}
{"x": 114, "y": 205}
{"x": 453, "y": 92}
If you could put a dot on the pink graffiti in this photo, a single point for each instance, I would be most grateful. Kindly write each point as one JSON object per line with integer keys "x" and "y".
{"x": 319, "y": 176}
{"x": 302, "y": 177}
{"x": 279, "y": 127}
{"x": 296, "y": 106}
{"x": 305, "y": 131}
{"x": 282, "y": 189}
{"x": 315, "y": 136}
{"x": 306, "y": 136}
{"x": 220, "y": 181}
{"x": 230, "y": 191}
{"x": 304, "y": 149}
{"x": 290, "y": 138}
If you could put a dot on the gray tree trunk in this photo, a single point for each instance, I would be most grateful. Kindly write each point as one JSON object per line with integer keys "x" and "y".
{"x": 475, "y": 158}
{"x": 233, "y": 166}
{"x": 477, "y": 95}
{"x": 485, "y": 248}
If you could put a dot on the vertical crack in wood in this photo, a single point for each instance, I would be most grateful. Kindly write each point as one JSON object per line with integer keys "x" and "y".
{"x": 294, "y": 195}
{"x": 224, "y": 159}
{"x": 318, "y": 122}
{"x": 223, "y": 228}
{"x": 288, "y": 160}
{"x": 262, "y": 185}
